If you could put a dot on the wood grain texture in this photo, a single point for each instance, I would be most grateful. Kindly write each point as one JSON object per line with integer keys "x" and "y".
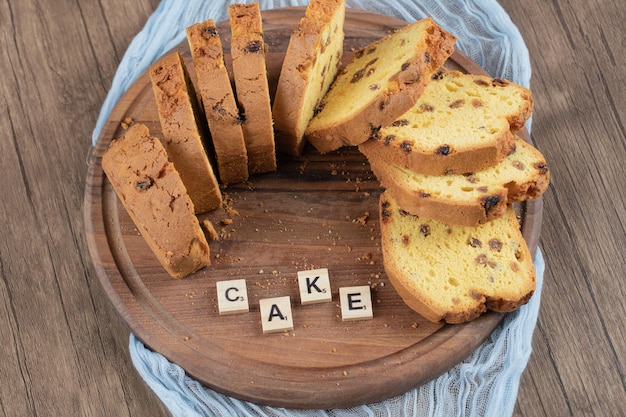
{"x": 63, "y": 346}
{"x": 304, "y": 216}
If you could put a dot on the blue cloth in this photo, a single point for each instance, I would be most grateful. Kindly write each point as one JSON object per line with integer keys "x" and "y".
{"x": 484, "y": 384}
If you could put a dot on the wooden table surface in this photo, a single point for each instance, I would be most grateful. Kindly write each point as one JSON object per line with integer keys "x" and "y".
{"x": 64, "y": 349}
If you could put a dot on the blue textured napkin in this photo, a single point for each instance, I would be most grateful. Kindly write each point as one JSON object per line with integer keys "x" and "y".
{"x": 486, "y": 383}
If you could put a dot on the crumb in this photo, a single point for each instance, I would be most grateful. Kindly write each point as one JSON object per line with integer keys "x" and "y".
{"x": 126, "y": 123}
{"x": 210, "y": 229}
{"x": 363, "y": 219}
{"x": 227, "y": 221}
{"x": 415, "y": 325}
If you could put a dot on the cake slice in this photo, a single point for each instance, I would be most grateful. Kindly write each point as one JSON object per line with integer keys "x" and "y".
{"x": 468, "y": 199}
{"x": 218, "y": 100}
{"x": 461, "y": 123}
{"x": 182, "y": 126}
{"x": 154, "y": 196}
{"x": 251, "y": 85}
{"x": 311, "y": 63}
{"x": 381, "y": 82}
{"x": 453, "y": 274}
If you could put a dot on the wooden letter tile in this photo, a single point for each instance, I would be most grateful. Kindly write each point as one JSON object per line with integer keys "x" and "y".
{"x": 314, "y": 286}
{"x": 356, "y": 303}
{"x": 232, "y": 297}
{"x": 276, "y": 314}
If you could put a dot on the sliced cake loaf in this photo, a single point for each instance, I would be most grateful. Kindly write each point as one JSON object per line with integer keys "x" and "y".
{"x": 219, "y": 103}
{"x": 383, "y": 81}
{"x": 461, "y": 123}
{"x": 453, "y": 274}
{"x": 154, "y": 196}
{"x": 182, "y": 127}
{"x": 311, "y": 64}
{"x": 251, "y": 85}
{"x": 468, "y": 199}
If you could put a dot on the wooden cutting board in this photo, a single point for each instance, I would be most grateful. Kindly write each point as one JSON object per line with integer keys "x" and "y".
{"x": 318, "y": 211}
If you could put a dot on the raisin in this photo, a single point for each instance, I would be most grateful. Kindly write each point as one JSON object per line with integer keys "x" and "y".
{"x": 254, "y": 46}
{"x": 143, "y": 185}
{"x": 405, "y": 240}
{"x": 514, "y": 266}
{"x": 389, "y": 138}
{"x": 210, "y": 31}
{"x": 405, "y": 66}
{"x": 481, "y": 82}
{"x": 371, "y": 50}
{"x": 437, "y": 76}
{"x": 456, "y": 104}
{"x": 372, "y": 62}
{"x": 425, "y": 230}
{"x": 427, "y": 57}
{"x": 403, "y": 212}
{"x": 471, "y": 179}
{"x": 483, "y": 189}
{"x": 426, "y": 108}
{"x": 358, "y": 54}
{"x": 519, "y": 165}
{"x": 476, "y": 103}
{"x": 370, "y": 72}
{"x": 385, "y": 204}
{"x": 318, "y": 109}
{"x": 542, "y": 167}
{"x": 443, "y": 150}
{"x": 499, "y": 82}
{"x": 374, "y": 87}
{"x": 356, "y": 77}
{"x": 495, "y": 244}
{"x": 481, "y": 259}
{"x": 406, "y": 146}
{"x": 490, "y": 202}
{"x": 374, "y": 132}
{"x": 423, "y": 194}
{"x": 400, "y": 122}
{"x": 475, "y": 243}
{"x": 384, "y": 215}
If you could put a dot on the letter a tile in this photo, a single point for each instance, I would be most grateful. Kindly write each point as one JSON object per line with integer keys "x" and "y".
{"x": 356, "y": 303}
{"x": 314, "y": 286}
{"x": 276, "y": 314}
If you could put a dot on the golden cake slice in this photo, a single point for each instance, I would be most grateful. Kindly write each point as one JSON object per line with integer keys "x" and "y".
{"x": 251, "y": 85}
{"x": 468, "y": 199}
{"x": 154, "y": 196}
{"x": 218, "y": 100}
{"x": 461, "y": 123}
{"x": 183, "y": 130}
{"x": 311, "y": 63}
{"x": 383, "y": 81}
{"x": 453, "y": 274}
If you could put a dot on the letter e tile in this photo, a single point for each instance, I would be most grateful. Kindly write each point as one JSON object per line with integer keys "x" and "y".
{"x": 232, "y": 297}
{"x": 276, "y": 314}
{"x": 356, "y": 303}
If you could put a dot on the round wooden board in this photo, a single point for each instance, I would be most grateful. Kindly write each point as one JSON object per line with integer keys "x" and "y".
{"x": 318, "y": 211}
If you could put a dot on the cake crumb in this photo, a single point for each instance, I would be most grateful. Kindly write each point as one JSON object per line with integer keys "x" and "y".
{"x": 126, "y": 123}
{"x": 210, "y": 229}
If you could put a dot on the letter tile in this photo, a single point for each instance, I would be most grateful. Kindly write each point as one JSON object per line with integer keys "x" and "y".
{"x": 356, "y": 303}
